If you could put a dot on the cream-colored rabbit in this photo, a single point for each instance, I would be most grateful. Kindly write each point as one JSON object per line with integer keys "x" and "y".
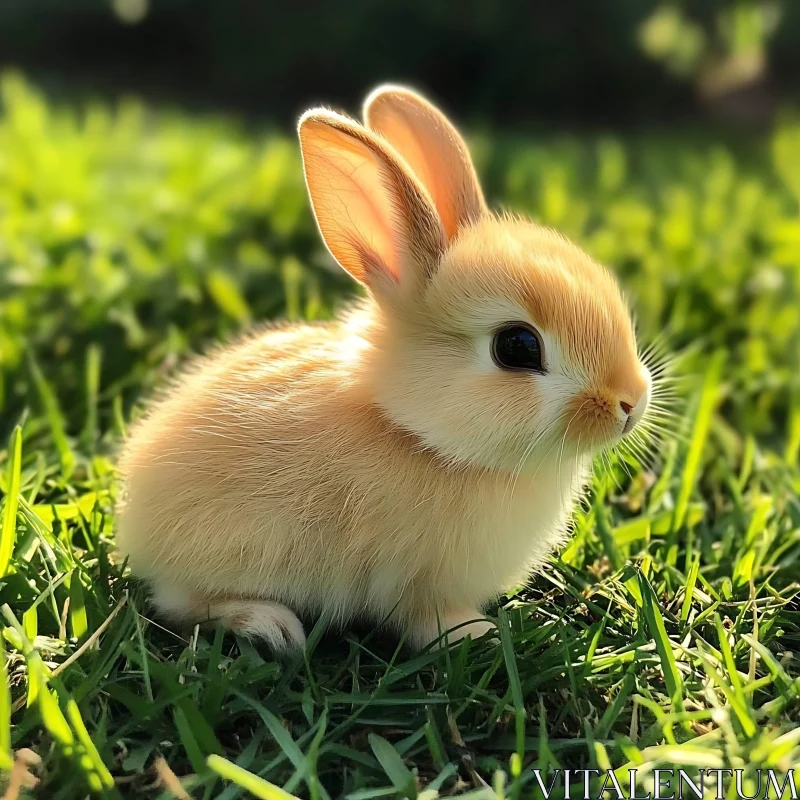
{"x": 414, "y": 459}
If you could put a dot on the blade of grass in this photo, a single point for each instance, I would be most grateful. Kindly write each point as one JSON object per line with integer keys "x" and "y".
{"x": 793, "y": 432}
{"x": 517, "y": 696}
{"x": 77, "y": 606}
{"x": 397, "y": 772}
{"x": 93, "y": 365}
{"x": 190, "y": 745}
{"x": 691, "y": 582}
{"x": 614, "y": 710}
{"x": 658, "y": 632}
{"x": 702, "y": 423}
{"x": 281, "y": 736}
{"x": 8, "y": 533}
{"x": 727, "y": 655}
{"x": 241, "y": 777}
{"x": 54, "y": 417}
{"x": 733, "y": 692}
{"x": 53, "y": 718}
{"x": 73, "y": 714}
{"x": 6, "y": 755}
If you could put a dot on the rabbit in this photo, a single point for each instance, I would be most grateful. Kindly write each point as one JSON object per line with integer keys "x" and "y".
{"x": 412, "y": 460}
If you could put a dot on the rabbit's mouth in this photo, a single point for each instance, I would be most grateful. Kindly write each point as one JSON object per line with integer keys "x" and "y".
{"x": 602, "y": 418}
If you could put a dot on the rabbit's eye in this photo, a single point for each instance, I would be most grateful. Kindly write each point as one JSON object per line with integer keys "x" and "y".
{"x": 517, "y": 346}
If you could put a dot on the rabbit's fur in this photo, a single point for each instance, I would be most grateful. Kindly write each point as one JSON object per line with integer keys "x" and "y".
{"x": 384, "y": 465}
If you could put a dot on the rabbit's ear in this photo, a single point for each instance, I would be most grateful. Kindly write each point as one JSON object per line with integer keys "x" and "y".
{"x": 375, "y": 218}
{"x": 433, "y": 148}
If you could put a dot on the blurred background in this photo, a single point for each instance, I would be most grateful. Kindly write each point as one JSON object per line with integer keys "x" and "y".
{"x": 615, "y": 62}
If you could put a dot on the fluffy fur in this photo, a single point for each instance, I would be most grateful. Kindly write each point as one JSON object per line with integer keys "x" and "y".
{"x": 383, "y": 465}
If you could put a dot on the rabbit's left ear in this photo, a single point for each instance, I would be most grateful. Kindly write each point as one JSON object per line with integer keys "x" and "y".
{"x": 433, "y": 149}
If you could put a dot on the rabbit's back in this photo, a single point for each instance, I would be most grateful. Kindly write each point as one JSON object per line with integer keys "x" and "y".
{"x": 221, "y": 480}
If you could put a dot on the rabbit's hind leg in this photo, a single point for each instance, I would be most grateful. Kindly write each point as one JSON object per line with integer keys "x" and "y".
{"x": 258, "y": 619}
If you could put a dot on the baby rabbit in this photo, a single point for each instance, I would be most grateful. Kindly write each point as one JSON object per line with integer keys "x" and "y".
{"x": 410, "y": 461}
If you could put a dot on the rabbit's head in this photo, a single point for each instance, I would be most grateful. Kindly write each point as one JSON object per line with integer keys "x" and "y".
{"x": 496, "y": 341}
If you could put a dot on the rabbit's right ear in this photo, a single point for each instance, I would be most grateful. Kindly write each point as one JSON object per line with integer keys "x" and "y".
{"x": 433, "y": 148}
{"x": 375, "y": 218}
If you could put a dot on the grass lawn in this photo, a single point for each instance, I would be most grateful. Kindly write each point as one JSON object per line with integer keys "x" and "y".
{"x": 665, "y": 634}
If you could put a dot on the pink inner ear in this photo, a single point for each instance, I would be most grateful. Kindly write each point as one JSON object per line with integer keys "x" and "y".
{"x": 352, "y": 202}
{"x": 422, "y": 144}
{"x": 434, "y": 151}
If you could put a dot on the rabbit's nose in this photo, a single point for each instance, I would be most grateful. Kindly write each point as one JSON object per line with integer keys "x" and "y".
{"x": 633, "y": 408}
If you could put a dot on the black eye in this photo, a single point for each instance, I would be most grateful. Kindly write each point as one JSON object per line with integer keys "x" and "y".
{"x": 516, "y": 346}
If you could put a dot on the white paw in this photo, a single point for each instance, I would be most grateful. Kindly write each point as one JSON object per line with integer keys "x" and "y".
{"x": 272, "y": 622}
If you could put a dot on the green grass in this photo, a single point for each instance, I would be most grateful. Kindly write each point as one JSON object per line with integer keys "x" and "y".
{"x": 664, "y": 634}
